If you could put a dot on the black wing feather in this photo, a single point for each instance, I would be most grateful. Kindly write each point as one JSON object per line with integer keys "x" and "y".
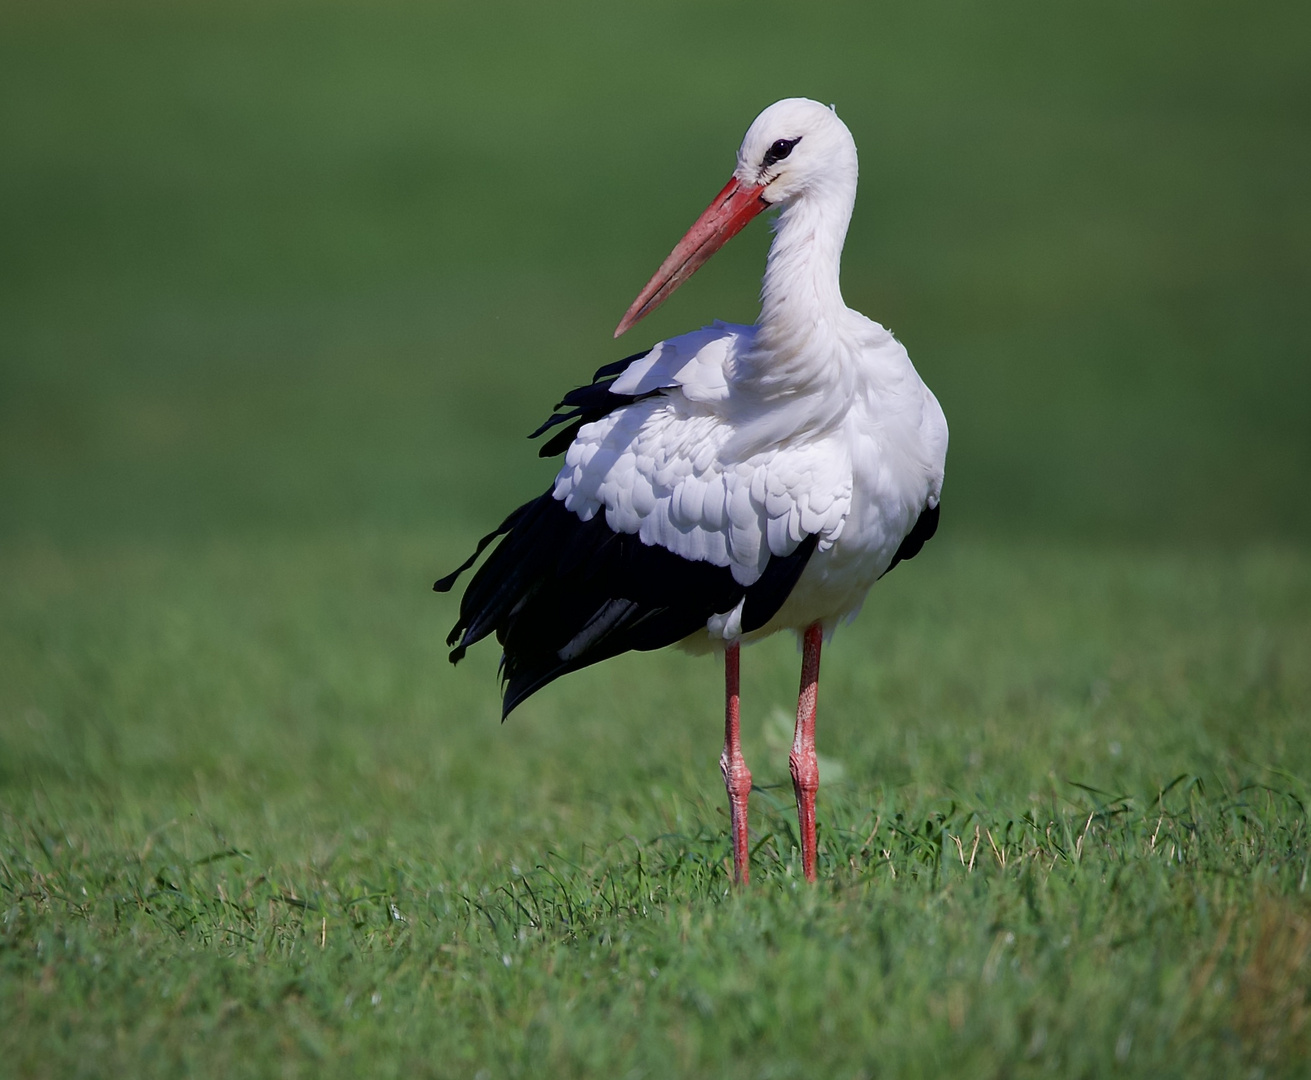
{"x": 920, "y": 534}
{"x": 585, "y": 404}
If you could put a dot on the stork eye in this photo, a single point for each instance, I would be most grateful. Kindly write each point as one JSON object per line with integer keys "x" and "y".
{"x": 779, "y": 151}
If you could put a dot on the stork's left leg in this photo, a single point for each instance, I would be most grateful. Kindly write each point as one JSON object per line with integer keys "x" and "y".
{"x": 805, "y": 765}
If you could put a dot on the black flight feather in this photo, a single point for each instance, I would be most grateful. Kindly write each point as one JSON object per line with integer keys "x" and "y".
{"x": 562, "y": 593}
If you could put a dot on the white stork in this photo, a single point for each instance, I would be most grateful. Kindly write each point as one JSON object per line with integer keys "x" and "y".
{"x": 730, "y": 482}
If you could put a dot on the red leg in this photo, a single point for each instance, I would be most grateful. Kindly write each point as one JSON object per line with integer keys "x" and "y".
{"x": 805, "y": 766}
{"x": 737, "y": 777}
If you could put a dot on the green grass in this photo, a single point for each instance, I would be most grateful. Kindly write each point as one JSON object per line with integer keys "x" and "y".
{"x": 281, "y": 288}
{"x": 257, "y": 834}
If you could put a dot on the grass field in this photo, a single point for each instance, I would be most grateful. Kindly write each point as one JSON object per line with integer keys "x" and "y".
{"x": 281, "y": 288}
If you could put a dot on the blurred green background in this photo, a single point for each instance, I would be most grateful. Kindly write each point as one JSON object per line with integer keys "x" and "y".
{"x": 284, "y": 284}
{"x": 292, "y": 267}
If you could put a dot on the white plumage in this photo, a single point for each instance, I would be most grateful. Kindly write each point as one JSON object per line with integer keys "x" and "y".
{"x": 797, "y": 454}
{"x": 691, "y": 471}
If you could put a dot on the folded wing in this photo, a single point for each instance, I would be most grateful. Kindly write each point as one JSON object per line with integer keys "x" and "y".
{"x": 647, "y": 536}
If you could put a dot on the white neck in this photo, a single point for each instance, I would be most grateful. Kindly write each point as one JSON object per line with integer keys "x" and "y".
{"x": 800, "y": 344}
{"x": 802, "y": 370}
{"x": 801, "y": 290}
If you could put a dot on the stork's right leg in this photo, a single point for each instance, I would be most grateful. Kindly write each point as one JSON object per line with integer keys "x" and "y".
{"x": 803, "y": 760}
{"x": 737, "y": 777}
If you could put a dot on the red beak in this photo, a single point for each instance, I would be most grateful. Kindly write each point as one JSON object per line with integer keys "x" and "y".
{"x": 723, "y": 219}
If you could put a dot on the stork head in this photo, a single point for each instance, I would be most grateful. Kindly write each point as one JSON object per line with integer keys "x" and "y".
{"x": 795, "y": 149}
